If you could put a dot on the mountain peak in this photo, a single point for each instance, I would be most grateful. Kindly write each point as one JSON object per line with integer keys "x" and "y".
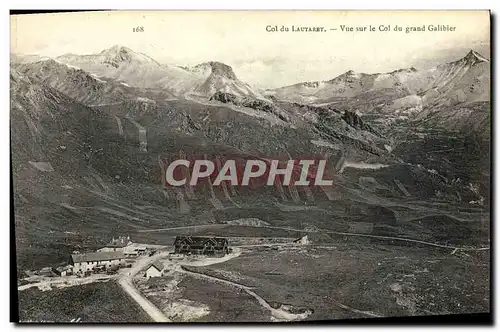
{"x": 116, "y": 49}
{"x": 218, "y": 68}
{"x": 117, "y": 54}
{"x": 349, "y": 75}
{"x": 53, "y": 64}
{"x": 475, "y": 57}
{"x": 404, "y": 70}
{"x": 352, "y": 74}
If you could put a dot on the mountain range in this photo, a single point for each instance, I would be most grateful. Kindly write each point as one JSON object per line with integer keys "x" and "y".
{"x": 132, "y": 68}
{"x": 464, "y": 80}
{"x": 91, "y": 135}
{"x": 400, "y": 93}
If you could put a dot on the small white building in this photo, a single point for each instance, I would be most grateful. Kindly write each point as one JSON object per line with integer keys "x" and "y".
{"x": 64, "y": 270}
{"x": 154, "y": 270}
{"x": 87, "y": 262}
{"x": 134, "y": 250}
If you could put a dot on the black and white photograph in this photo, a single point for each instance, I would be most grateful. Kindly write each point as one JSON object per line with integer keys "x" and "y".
{"x": 250, "y": 166}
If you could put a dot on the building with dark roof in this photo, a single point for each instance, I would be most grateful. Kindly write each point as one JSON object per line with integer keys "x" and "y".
{"x": 48, "y": 272}
{"x": 64, "y": 270}
{"x": 201, "y": 245}
{"x": 155, "y": 270}
{"x": 87, "y": 262}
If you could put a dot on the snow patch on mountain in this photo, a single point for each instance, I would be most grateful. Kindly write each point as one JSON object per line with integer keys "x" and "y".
{"x": 411, "y": 101}
{"x": 139, "y": 70}
{"x": 145, "y": 100}
{"x": 454, "y": 82}
{"x": 326, "y": 144}
{"x": 97, "y": 78}
{"x": 361, "y": 165}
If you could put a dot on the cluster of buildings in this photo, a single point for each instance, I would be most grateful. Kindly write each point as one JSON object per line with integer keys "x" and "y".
{"x": 103, "y": 261}
{"x": 109, "y": 259}
{"x": 116, "y": 254}
{"x": 212, "y": 246}
{"x": 121, "y": 251}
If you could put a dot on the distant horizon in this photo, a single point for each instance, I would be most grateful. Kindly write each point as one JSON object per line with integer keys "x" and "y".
{"x": 262, "y": 59}
{"x": 255, "y": 85}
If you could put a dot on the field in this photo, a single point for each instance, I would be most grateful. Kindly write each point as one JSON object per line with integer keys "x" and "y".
{"x": 227, "y": 304}
{"x": 345, "y": 278}
{"x": 98, "y": 302}
{"x": 185, "y": 298}
{"x": 359, "y": 281}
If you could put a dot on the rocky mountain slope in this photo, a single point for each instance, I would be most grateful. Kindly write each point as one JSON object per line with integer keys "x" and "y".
{"x": 139, "y": 70}
{"x": 440, "y": 96}
{"x": 466, "y": 79}
{"x": 89, "y": 147}
{"x": 76, "y": 83}
{"x": 89, "y": 89}
{"x": 118, "y": 63}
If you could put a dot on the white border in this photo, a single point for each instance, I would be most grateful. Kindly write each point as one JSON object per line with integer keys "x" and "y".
{"x": 204, "y": 5}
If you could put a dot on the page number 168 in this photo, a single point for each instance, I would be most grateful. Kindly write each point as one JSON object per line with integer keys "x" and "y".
{"x": 139, "y": 29}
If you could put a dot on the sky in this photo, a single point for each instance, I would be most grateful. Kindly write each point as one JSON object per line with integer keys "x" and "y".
{"x": 261, "y": 58}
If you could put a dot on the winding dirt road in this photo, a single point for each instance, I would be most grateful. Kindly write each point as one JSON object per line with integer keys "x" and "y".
{"x": 277, "y": 314}
{"x": 125, "y": 281}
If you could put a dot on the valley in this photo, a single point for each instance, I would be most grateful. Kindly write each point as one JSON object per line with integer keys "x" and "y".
{"x": 403, "y": 229}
